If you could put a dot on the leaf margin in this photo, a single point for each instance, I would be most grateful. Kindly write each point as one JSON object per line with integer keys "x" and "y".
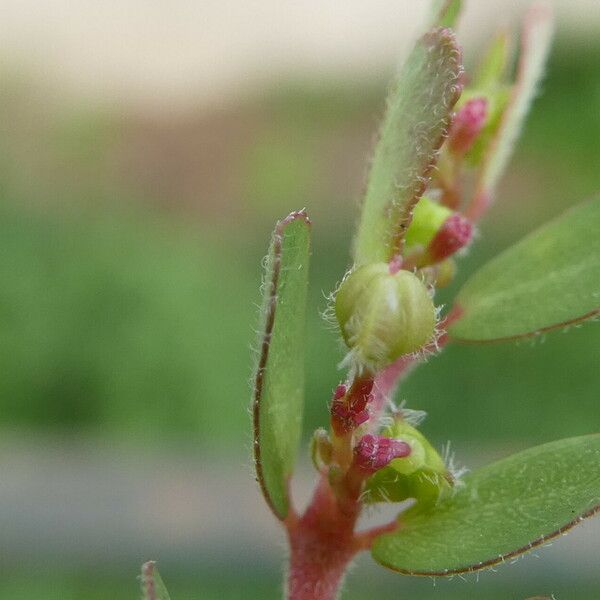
{"x": 457, "y": 310}
{"x": 269, "y": 311}
{"x": 400, "y": 212}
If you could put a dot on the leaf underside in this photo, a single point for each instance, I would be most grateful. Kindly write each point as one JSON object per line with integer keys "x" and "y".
{"x": 549, "y": 279}
{"x": 503, "y": 510}
{"x": 416, "y": 122}
{"x": 278, "y": 392}
{"x": 153, "y": 587}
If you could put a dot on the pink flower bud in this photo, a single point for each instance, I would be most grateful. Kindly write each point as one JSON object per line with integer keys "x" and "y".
{"x": 373, "y": 452}
{"x": 467, "y": 125}
{"x": 349, "y": 407}
{"x": 454, "y": 234}
{"x": 340, "y": 392}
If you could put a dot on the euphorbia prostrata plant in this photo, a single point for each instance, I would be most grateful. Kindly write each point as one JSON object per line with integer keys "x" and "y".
{"x": 444, "y": 142}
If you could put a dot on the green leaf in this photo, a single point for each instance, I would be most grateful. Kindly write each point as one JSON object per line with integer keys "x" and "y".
{"x": 416, "y": 122}
{"x": 502, "y": 511}
{"x": 535, "y": 46}
{"x": 445, "y": 13}
{"x": 491, "y": 70}
{"x": 549, "y": 279}
{"x": 153, "y": 587}
{"x": 279, "y": 383}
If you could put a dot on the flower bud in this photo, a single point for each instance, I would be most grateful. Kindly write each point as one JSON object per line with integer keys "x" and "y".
{"x": 384, "y": 315}
{"x": 496, "y": 100}
{"x": 435, "y": 233}
{"x": 349, "y": 408}
{"x": 373, "y": 452}
{"x": 468, "y": 123}
{"x": 454, "y": 234}
{"x": 423, "y": 454}
{"x": 428, "y": 217}
{"x": 421, "y": 474}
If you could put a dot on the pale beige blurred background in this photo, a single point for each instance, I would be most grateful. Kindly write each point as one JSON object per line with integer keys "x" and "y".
{"x": 169, "y": 55}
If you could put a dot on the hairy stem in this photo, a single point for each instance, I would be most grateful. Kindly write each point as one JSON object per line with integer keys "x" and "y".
{"x": 322, "y": 544}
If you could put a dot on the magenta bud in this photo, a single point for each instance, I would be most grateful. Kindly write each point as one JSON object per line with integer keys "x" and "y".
{"x": 455, "y": 233}
{"x": 373, "y": 452}
{"x": 340, "y": 392}
{"x": 349, "y": 408}
{"x": 467, "y": 125}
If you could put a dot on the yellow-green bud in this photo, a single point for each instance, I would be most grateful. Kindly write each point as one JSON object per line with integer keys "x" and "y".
{"x": 384, "y": 315}
{"x": 428, "y": 217}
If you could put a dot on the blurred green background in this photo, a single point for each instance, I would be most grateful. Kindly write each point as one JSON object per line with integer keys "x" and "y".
{"x": 130, "y": 250}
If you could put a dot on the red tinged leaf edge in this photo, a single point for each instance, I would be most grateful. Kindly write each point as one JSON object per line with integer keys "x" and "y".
{"x": 265, "y": 345}
{"x": 430, "y": 39}
{"x": 510, "y": 338}
{"x": 591, "y": 509}
{"x": 458, "y": 311}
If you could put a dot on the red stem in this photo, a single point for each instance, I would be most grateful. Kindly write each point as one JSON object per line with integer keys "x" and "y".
{"x": 322, "y": 541}
{"x": 322, "y": 544}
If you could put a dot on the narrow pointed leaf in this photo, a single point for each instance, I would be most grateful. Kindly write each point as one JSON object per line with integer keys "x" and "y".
{"x": 445, "y": 13}
{"x": 416, "y": 122}
{"x": 153, "y": 587}
{"x": 535, "y": 46}
{"x": 279, "y": 383}
{"x": 502, "y": 511}
{"x": 549, "y": 279}
{"x": 491, "y": 71}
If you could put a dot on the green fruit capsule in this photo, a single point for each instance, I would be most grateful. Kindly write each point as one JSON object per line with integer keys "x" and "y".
{"x": 429, "y": 457}
{"x": 421, "y": 475}
{"x": 384, "y": 315}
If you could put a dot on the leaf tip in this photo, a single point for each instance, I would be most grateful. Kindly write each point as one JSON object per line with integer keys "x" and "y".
{"x": 152, "y": 586}
{"x": 285, "y": 271}
{"x": 296, "y": 215}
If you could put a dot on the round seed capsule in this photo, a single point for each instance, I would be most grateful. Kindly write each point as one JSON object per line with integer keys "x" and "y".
{"x": 421, "y": 474}
{"x": 384, "y": 315}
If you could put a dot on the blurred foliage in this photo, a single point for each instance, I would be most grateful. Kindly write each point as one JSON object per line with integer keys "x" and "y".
{"x": 122, "y": 315}
{"x": 220, "y": 585}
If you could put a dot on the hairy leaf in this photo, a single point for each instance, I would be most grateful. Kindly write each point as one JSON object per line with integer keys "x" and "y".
{"x": 502, "y": 511}
{"x": 416, "y": 122}
{"x": 279, "y": 383}
{"x": 535, "y": 45}
{"x": 153, "y": 587}
{"x": 547, "y": 280}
